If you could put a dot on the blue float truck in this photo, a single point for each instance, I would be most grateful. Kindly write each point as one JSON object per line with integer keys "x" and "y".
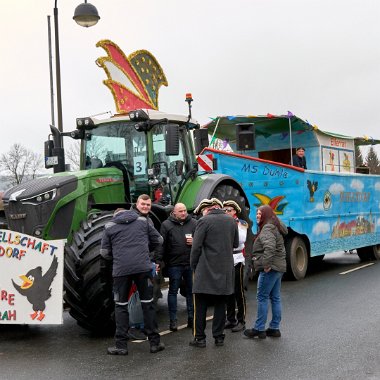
{"x": 327, "y": 207}
{"x": 331, "y": 206}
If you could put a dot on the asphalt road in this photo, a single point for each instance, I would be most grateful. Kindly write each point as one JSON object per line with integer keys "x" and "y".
{"x": 330, "y": 331}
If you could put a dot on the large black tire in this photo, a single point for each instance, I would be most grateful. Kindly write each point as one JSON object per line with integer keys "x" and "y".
{"x": 87, "y": 283}
{"x": 227, "y": 192}
{"x": 3, "y": 222}
{"x": 297, "y": 258}
{"x": 371, "y": 252}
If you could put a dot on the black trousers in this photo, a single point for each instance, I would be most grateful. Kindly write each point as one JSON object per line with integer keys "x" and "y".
{"x": 121, "y": 288}
{"x": 201, "y": 303}
{"x": 237, "y": 299}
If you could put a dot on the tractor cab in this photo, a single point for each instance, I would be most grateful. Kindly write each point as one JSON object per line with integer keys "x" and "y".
{"x": 152, "y": 149}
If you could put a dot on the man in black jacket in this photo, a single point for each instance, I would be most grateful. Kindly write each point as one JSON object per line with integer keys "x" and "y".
{"x": 299, "y": 159}
{"x": 211, "y": 259}
{"x": 126, "y": 241}
{"x": 178, "y": 231}
{"x": 143, "y": 207}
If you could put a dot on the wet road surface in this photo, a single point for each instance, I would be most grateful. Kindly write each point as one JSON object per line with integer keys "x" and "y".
{"x": 330, "y": 331}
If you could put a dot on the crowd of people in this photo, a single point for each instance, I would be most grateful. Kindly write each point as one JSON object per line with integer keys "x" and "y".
{"x": 205, "y": 255}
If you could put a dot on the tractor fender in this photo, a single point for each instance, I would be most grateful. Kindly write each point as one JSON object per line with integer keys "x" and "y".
{"x": 211, "y": 182}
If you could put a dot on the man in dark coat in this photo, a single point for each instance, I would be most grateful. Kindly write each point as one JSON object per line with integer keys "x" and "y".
{"x": 211, "y": 259}
{"x": 143, "y": 207}
{"x": 126, "y": 241}
{"x": 299, "y": 159}
{"x": 178, "y": 231}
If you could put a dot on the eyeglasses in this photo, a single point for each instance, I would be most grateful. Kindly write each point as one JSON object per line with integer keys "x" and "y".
{"x": 228, "y": 209}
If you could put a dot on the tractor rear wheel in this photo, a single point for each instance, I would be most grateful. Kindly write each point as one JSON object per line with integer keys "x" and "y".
{"x": 87, "y": 284}
{"x": 227, "y": 192}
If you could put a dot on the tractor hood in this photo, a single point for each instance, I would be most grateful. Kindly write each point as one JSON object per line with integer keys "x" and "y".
{"x": 44, "y": 207}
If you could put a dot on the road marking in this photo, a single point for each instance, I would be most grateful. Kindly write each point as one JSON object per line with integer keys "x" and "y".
{"x": 165, "y": 332}
{"x": 353, "y": 270}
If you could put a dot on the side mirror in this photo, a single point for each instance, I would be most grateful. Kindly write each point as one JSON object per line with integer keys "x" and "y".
{"x": 57, "y": 157}
{"x": 172, "y": 139}
{"x": 200, "y": 140}
{"x": 49, "y": 145}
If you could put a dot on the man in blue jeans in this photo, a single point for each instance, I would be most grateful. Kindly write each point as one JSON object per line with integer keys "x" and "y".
{"x": 177, "y": 232}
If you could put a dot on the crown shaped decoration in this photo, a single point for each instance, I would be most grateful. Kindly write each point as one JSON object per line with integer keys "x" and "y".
{"x": 134, "y": 80}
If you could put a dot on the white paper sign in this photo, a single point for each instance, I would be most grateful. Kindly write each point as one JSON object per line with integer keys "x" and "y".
{"x": 31, "y": 279}
{"x": 139, "y": 165}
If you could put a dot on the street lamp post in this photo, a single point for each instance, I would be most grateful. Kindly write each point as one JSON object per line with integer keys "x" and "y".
{"x": 85, "y": 15}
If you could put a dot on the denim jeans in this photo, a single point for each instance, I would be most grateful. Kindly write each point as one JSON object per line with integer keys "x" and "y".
{"x": 268, "y": 288}
{"x": 175, "y": 276}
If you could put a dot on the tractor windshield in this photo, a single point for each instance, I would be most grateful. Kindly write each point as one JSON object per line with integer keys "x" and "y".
{"x": 119, "y": 142}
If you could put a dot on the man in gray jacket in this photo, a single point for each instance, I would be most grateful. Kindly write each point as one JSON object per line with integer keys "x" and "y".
{"x": 211, "y": 259}
{"x": 126, "y": 241}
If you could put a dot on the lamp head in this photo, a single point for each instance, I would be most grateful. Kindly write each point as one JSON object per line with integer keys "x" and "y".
{"x": 86, "y": 15}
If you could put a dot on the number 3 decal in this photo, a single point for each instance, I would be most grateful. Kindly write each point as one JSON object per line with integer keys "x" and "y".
{"x": 139, "y": 165}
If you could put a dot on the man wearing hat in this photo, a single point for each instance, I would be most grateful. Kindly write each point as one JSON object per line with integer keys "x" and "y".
{"x": 299, "y": 158}
{"x": 236, "y": 322}
{"x": 215, "y": 237}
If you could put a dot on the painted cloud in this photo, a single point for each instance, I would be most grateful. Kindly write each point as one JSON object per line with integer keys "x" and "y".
{"x": 336, "y": 188}
{"x": 357, "y": 185}
{"x": 321, "y": 228}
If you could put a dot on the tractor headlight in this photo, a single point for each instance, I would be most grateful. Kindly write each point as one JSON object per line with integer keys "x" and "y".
{"x": 85, "y": 122}
{"x": 41, "y": 198}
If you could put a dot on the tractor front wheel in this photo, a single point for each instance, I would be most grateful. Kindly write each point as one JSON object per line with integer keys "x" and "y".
{"x": 87, "y": 283}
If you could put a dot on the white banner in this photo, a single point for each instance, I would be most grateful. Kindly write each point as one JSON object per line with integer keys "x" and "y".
{"x": 31, "y": 279}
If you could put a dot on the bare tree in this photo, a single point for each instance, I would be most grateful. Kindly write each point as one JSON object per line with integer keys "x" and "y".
{"x": 35, "y": 164}
{"x": 73, "y": 155}
{"x": 20, "y": 163}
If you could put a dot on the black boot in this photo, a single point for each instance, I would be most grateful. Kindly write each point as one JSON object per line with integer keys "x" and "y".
{"x": 173, "y": 325}
{"x": 252, "y": 333}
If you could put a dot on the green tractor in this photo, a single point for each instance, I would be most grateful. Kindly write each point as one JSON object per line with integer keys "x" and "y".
{"x": 146, "y": 151}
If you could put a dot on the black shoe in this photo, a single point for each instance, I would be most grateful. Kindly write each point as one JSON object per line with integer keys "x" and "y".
{"x": 252, "y": 333}
{"x": 173, "y": 325}
{"x": 229, "y": 325}
{"x": 274, "y": 333}
{"x": 136, "y": 334}
{"x": 219, "y": 341}
{"x": 117, "y": 351}
{"x": 190, "y": 323}
{"x": 239, "y": 327}
{"x": 201, "y": 343}
{"x": 154, "y": 348}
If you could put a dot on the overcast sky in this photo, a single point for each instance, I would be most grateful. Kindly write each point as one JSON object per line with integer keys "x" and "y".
{"x": 319, "y": 59}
